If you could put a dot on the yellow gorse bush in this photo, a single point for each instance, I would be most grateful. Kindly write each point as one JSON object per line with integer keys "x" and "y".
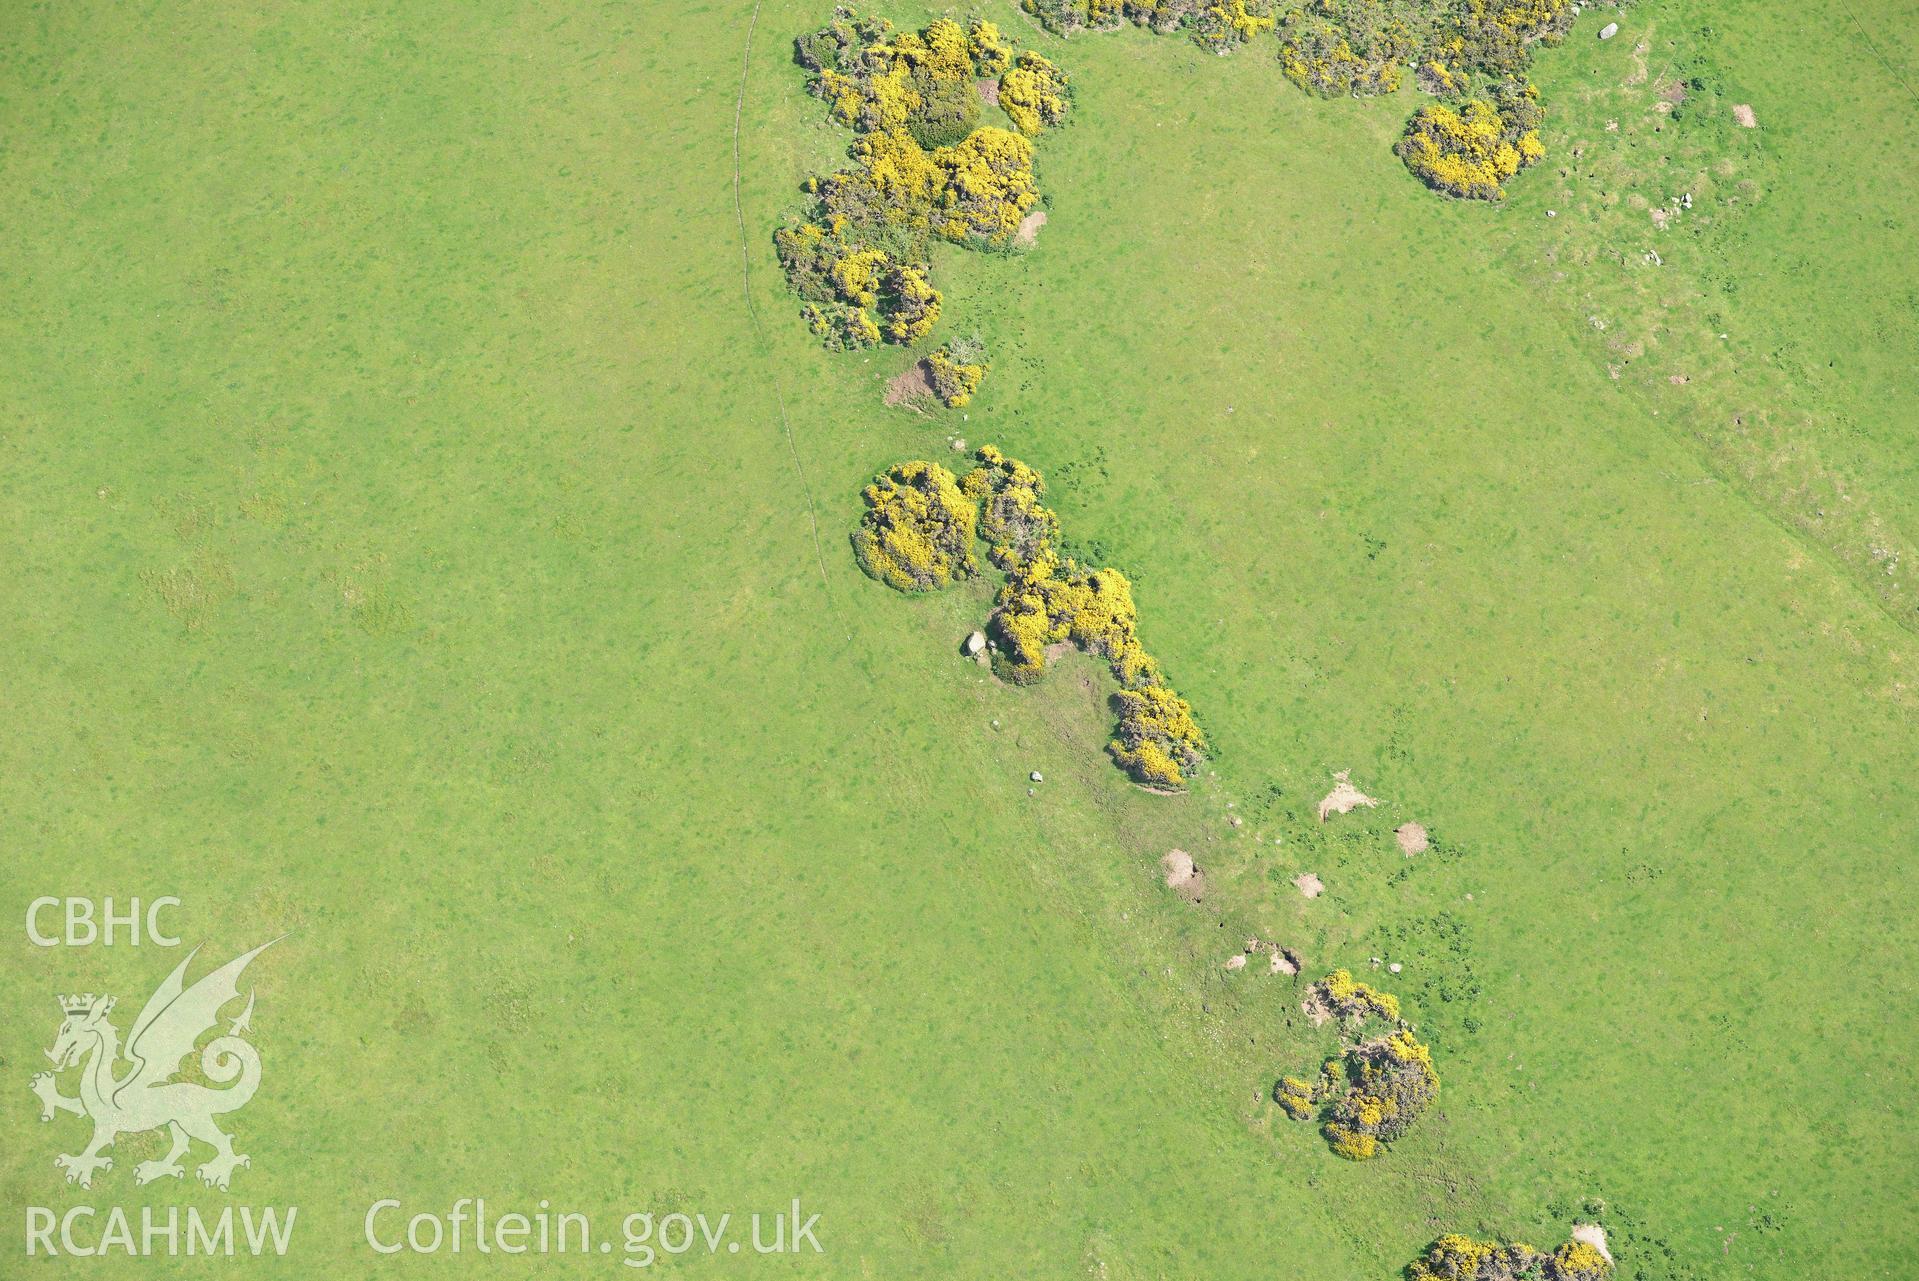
{"x": 1295, "y": 1096}
{"x": 1390, "y": 1081}
{"x": 1017, "y": 526}
{"x": 1377, "y": 1088}
{"x": 991, "y": 54}
{"x": 988, "y": 187}
{"x": 892, "y": 185}
{"x": 942, "y": 48}
{"x": 1224, "y": 25}
{"x": 916, "y": 536}
{"x": 872, "y": 77}
{"x": 1472, "y": 150}
{"x": 1464, "y": 51}
{"x": 922, "y": 167}
{"x": 1063, "y": 17}
{"x": 1346, "y": 997}
{"x": 954, "y": 380}
{"x": 857, "y": 276}
{"x": 1525, "y": 21}
{"x": 850, "y": 288}
{"x": 1455, "y": 1257}
{"x": 1579, "y": 1261}
{"x": 1048, "y": 600}
{"x": 913, "y": 306}
{"x": 1158, "y": 743}
{"x": 1033, "y": 93}
{"x": 1336, "y": 47}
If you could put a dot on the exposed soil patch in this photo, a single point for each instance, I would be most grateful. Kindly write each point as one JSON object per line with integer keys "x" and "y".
{"x": 1637, "y": 76}
{"x": 1593, "y": 1235}
{"x": 1028, "y": 234}
{"x": 1183, "y": 876}
{"x": 1309, "y": 885}
{"x": 1412, "y": 839}
{"x": 1743, "y": 114}
{"x": 1179, "y": 868}
{"x": 1344, "y": 798}
{"x": 1316, "y": 1010}
{"x": 988, "y": 92}
{"x": 1236, "y": 963}
{"x": 911, "y": 387}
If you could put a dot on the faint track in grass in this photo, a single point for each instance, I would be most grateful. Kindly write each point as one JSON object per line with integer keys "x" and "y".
{"x": 753, "y": 312}
{"x": 1884, "y": 61}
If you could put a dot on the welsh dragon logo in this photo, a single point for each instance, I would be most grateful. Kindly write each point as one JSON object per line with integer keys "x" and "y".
{"x": 146, "y": 1096}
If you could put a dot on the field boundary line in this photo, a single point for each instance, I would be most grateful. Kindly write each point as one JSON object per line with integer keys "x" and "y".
{"x": 753, "y": 312}
{"x": 1885, "y": 62}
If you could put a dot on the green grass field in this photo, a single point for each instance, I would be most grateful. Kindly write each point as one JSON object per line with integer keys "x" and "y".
{"x": 412, "y": 547}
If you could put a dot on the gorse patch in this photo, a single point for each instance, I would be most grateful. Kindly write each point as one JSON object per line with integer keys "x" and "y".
{"x": 924, "y": 167}
{"x": 1470, "y": 150}
{"x": 1388, "y": 1083}
{"x": 1377, "y": 1087}
{"x": 956, "y": 371}
{"x": 1462, "y": 1258}
{"x": 916, "y": 536}
{"x": 1342, "y": 996}
{"x": 1049, "y": 599}
{"x": 1033, "y": 93}
{"x": 1334, "y": 49}
{"x": 1473, "y": 55}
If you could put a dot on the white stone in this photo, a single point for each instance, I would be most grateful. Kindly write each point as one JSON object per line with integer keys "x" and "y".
{"x": 1608, "y": 31}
